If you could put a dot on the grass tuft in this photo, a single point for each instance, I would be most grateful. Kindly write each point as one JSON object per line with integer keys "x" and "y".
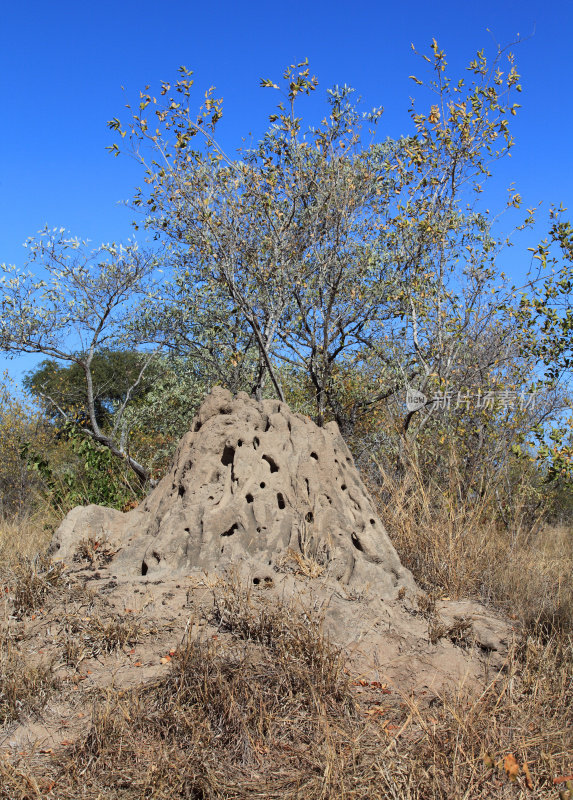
{"x": 25, "y": 686}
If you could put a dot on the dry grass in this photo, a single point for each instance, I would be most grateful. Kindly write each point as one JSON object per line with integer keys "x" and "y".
{"x": 24, "y": 537}
{"x": 90, "y": 637}
{"x": 292, "y": 635}
{"x": 274, "y": 715}
{"x": 28, "y": 581}
{"x": 25, "y": 686}
{"x": 269, "y": 711}
{"x": 98, "y": 552}
{"x": 36, "y": 583}
{"x": 32, "y": 582}
{"x": 458, "y": 549}
{"x": 301, "y": 564}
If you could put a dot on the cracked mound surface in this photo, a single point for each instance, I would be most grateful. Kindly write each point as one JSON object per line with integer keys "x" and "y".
{"x": 251, "y": 483}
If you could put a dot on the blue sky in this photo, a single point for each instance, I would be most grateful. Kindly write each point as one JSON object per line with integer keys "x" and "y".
{"x": 62, "y": 66}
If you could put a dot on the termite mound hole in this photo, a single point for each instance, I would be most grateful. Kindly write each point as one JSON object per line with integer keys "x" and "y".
{"x": 272, "y": 463}
{"x": 145, "y": 566}
{"x": 228, "y": 456}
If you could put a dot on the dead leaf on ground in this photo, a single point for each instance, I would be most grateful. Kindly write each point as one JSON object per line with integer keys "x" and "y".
{"x": 488, "y": 761}
{"x": 511, "y": 767}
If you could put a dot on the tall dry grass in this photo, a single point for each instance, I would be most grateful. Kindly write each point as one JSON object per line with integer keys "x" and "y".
{"x": 25, "y": 536}
{"x": 459, "y": 547}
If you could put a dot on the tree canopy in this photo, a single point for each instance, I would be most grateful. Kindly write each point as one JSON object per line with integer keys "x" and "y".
{"x": 324, "y": 264}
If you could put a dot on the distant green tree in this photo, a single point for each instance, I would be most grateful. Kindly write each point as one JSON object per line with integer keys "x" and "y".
{"x": 63, "y": 388}
{"x": 168, "y": 408}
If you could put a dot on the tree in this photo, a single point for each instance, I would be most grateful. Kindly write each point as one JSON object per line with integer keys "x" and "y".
{"x": 548, "y": 314}
{"x": 204, "y": 334}
{"x": 282, "y": 242}
{"x": 545, "y": 318}
{"x": 332, "y": 256}
{"x": 166, "y": 412}
{"x": 114, "y": 373}
{"x": 352, "y": 269}
{"x": 81, "y": 303}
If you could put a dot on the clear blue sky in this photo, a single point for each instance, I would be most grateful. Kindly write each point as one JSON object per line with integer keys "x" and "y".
{"x": 62, "y": 65}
